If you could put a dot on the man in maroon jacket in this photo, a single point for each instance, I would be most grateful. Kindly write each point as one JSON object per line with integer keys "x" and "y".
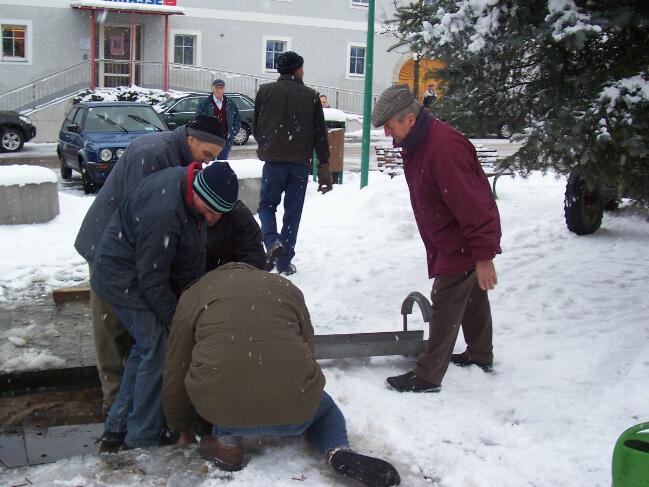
{"x": 459, "y": 223}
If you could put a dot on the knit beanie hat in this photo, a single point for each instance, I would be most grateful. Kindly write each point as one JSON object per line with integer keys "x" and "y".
{"x": 392, "y": 100}
{"x": 217, "y": 185}
{"x": 288, "y": 62}
{"x": 208, "y": 129}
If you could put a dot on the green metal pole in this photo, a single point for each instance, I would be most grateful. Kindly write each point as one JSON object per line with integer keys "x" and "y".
{"x": 367, "y": 103}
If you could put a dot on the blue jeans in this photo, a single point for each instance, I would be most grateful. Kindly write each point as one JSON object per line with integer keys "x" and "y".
{"x": 291, "y": 179}
{"x": 138, "y": 406}
{"x": 225, "y": 152}
{"x": 325, "y": 430}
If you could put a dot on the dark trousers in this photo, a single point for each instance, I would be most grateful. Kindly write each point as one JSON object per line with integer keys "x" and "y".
{"x": 291, "y": 179}
{"x": 225, "y": 153}
{"x": 457, "y": 301}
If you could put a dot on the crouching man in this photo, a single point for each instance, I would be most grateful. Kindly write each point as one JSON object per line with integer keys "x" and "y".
{"x": 241, "y": 356}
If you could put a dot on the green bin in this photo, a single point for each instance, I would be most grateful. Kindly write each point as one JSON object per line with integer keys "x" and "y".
{"x": 631, "y": 458}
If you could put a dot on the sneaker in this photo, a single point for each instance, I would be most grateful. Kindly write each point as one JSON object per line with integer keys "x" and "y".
{"x": 372, "y": 472}
{"x": 111, "y": 441}
{"x": 464, "y": 359}
{"x": 273, "y": 254}
{"x": 227, "y": 458}
{"x": 290, "y": 270}
{"x": 409, "y": 382}
{"x": 168, "y": 437}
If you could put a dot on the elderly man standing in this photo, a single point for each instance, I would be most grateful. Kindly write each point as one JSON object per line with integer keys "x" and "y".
{"x": 154, "y": 246}
{"x": 459, "y": 223}
{"x": 200, "y": 140}
{"x": 289, "y": 125}
{"x": 220, "y": 106}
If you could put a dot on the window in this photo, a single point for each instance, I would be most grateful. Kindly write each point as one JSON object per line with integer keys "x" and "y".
{"x": 188, "y": 105}
{"x": 184, "y": 49}
{"x": 356, "y": 64}
{"x": 15, "y": 41}
{"x": 273, "y": 50}
{"x": 360, "y": 3}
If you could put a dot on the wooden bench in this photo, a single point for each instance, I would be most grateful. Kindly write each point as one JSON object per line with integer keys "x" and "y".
{"x": 390, "y": 162}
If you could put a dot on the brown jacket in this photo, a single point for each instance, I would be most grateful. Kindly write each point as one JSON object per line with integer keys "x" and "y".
{"x": 240, "y": 352}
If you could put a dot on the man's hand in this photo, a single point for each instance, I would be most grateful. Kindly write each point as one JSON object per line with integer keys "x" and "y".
{"x": 324, "y": 178}
{"x": 186, "y": 438}
{"x": 486, "y": 274}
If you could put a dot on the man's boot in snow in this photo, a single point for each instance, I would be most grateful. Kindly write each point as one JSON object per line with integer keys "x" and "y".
{"x": 229, "y": 458}
{"x": 372, "y": 472}
{"x": 273, "y": 254}
{"x": 464, "y": 359}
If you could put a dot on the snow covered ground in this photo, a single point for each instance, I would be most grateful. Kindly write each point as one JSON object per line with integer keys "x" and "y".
{"x": 571, "y": 325}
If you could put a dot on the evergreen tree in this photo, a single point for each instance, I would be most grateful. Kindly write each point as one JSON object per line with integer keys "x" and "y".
{"x": 571, "y": 76}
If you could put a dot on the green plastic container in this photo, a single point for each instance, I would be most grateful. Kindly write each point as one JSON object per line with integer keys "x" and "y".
{"x": 631, "y": 458}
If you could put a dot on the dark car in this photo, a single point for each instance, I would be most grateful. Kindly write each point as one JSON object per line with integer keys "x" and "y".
{"x": 182, "y": 110}
{"x": 95, "y": 134}
{"x": 15, "y": 130}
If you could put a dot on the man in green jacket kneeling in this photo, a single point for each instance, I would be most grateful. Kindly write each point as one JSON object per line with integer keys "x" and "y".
{"x": 240, "y": 355}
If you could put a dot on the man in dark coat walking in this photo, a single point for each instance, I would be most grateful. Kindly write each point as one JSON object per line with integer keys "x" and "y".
{"x": 241, "y": 356}
{"x": 289, "y": 125}
{"x": 154, "y": 246}
{"x": 459, "y": 223}
{"x": 200, "y": 140}
{"x": 220, "y": 106}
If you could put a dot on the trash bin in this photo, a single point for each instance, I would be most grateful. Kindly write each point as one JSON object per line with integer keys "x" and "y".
{"x": 631, "y": 458}
{"x": 335, "y": 123}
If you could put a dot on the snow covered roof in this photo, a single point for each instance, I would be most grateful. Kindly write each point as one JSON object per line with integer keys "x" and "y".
{"x": 146, "y": 8}
{"x": 21, "y": 174}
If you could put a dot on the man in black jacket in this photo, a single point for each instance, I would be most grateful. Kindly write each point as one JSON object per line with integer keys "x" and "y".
{"x": 154, "y": 246}
{"x": 289, "y": 125}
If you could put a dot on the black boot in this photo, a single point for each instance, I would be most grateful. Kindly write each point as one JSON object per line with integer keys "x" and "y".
{"x": 273, "y": 254}
{"x": 111, "y": 441}
{"x": 372, "y": 472}
{"x": 409, "y": 382}
{"x": 464, "y": 359}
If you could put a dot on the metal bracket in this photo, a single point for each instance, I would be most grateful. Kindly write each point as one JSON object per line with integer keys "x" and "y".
{"x": 424, "y": 306}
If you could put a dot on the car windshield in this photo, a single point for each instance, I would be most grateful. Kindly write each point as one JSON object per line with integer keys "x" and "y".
{"x": 123, "y": 119}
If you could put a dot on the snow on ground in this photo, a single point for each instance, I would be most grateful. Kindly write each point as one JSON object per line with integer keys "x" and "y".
{"x": 571, "y": 335}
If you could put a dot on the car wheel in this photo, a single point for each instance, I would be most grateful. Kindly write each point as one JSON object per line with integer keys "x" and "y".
{"x": 583, "y": 207}
{"x": 66, "y": 172}
{"x": 89, "y": 186}
{"x": 11, "y": 140}
{"x": 505, "y": 131}
{"x": 243, "y": 135}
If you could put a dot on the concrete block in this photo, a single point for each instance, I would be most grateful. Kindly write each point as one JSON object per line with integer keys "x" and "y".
{"x": 249, "y": 189}
{"x": 31, "y": 203}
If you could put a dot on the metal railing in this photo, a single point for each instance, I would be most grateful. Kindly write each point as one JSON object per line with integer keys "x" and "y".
{"x": 45, "y": 89}
{"x": 112, "y": 73}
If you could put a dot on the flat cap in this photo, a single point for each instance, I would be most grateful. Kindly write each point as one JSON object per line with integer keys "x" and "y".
{"x": 391, "y": 101}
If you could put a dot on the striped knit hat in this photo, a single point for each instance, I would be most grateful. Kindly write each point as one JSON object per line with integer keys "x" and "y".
{"x": 217, "y": 185}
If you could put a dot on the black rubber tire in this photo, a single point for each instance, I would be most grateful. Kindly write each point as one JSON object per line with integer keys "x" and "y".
{"x": 611, "y": 205}
{"x": 11, "y": 139}
{"x": 89, "y": 186}
{"x": 583, "y": 208}
{"x": 66, "y": 172}
{"x": 241, "y": 139}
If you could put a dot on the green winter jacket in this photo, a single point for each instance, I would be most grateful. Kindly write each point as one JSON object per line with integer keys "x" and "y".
{"x": 240, "y": 352}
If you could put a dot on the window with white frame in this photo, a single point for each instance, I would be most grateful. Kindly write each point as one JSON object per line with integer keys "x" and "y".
{"x": 356, "y": 61}
{"x": 15, "y": 42}
{"x": 185, "y": 49}
{"x": 274, "y": 47}
{"x": 360, "y": 3}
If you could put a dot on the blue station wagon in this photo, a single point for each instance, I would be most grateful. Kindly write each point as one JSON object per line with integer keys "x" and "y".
{"x": 95, "y": 134}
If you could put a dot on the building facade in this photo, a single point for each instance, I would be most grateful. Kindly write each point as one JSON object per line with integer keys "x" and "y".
{"x": 184, "y": 44}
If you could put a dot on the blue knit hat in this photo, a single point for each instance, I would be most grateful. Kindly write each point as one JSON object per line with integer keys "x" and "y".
{"x": 217, "y": 185}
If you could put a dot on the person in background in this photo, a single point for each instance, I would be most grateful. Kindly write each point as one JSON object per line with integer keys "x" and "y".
{"x": 270, "y": 385}
{"x": 200, "y": 140}
{"x": 152, "y": 248}
{"x": 430, "y": 97}
{"x": 225, "y": 110}
{"x": 324, "y": 102}
{"x": 459, "y": 223}
{"x": 289, "y": 125}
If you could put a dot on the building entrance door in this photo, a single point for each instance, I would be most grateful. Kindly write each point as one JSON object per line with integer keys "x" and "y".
{"x": 117, "y": 54}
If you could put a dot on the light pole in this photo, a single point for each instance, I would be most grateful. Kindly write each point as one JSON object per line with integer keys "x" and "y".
{"x": 367, "y": 103}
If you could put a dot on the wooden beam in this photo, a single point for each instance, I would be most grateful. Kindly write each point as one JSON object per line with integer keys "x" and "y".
{"x": 67, "y": 294}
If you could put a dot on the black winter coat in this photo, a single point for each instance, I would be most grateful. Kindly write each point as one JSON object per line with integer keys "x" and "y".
{"x": 153, "y": 246}
{"x": 289, "y": 122}
{"x": 235, "y": 238}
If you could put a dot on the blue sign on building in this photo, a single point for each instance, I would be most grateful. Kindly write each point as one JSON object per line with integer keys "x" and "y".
{"x": 145, "y": 2}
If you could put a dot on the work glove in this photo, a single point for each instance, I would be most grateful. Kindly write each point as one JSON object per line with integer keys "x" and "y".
{"x": 324, "y": 178}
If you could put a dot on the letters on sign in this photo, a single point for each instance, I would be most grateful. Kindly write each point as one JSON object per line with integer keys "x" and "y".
{"x": 147, "y": 2}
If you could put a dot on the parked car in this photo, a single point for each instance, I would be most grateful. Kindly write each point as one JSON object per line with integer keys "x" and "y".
{"x": 183, "y": 109}
{"x": 95, "y": 134}
{"x": 15, "y": 130}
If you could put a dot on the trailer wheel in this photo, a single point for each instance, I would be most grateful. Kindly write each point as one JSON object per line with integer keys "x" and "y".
{"x": 583, "y": 207}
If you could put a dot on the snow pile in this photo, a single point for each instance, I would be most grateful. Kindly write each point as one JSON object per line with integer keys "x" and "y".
{"x": 125, "y": 93}
{"x": 21, "y": 349}
{"x": 334, "y": 115}
{"x": 247, "y": 168}
{"x": 20, "y": 175}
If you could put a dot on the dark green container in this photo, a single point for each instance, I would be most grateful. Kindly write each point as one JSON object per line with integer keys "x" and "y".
{"x": 631, "y": 458}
